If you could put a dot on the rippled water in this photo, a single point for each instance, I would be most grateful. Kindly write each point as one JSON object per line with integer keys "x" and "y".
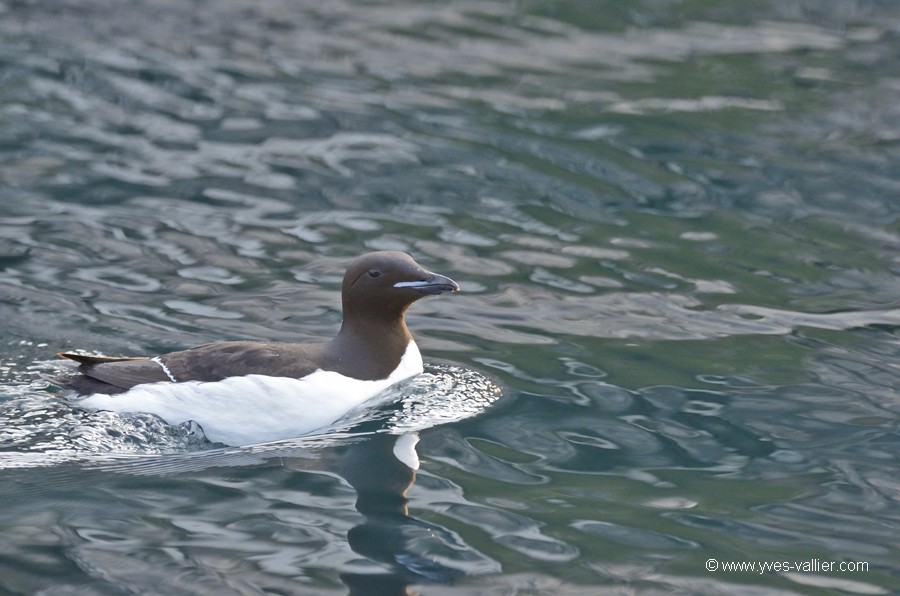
{"x": 676, "y": 230}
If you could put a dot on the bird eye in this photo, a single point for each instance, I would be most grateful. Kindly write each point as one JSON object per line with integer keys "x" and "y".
{"x": 374, "y": 273}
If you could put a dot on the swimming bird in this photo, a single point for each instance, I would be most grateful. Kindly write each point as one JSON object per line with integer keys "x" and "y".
{"x": 244, "y": 392}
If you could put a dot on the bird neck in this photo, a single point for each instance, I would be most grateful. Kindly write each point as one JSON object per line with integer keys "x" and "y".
{"x": 371, "y": 347}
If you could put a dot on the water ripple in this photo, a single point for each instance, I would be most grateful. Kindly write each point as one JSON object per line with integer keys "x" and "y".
{"x": 675, "y": 229}
{"x": 37, "y": 429}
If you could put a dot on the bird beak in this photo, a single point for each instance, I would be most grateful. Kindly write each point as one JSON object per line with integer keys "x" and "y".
{"x": 433, "y": 284}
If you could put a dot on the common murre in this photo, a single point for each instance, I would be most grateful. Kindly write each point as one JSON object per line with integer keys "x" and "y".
{"x": 244, "y": 392}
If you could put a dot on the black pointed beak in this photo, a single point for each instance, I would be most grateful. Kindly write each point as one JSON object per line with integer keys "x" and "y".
{"x": 431, "y": 285}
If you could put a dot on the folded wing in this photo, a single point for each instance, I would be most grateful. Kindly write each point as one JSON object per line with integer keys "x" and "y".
{"x": 103, "y": 374}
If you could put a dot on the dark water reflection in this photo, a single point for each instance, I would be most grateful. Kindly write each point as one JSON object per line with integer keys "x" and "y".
{"x": 676, "y": 232}
{"x": 283, "y": 508}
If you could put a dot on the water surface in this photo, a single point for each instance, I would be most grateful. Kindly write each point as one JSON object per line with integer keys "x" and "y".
{"x": 675, "y": 226}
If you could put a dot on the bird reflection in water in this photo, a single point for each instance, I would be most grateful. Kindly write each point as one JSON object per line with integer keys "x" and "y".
{"x": 381, "y": 469}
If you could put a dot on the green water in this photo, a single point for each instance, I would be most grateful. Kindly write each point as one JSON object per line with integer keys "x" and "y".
{"x": 675, "y": 226}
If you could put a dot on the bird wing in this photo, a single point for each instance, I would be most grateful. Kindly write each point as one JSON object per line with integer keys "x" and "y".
{"x": 210, "y": 362}
{"x": 214, "y": 362}
{"x": 104, "y": 374}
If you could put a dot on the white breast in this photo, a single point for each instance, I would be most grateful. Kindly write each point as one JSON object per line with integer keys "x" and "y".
{"x": 257, "y": 408}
